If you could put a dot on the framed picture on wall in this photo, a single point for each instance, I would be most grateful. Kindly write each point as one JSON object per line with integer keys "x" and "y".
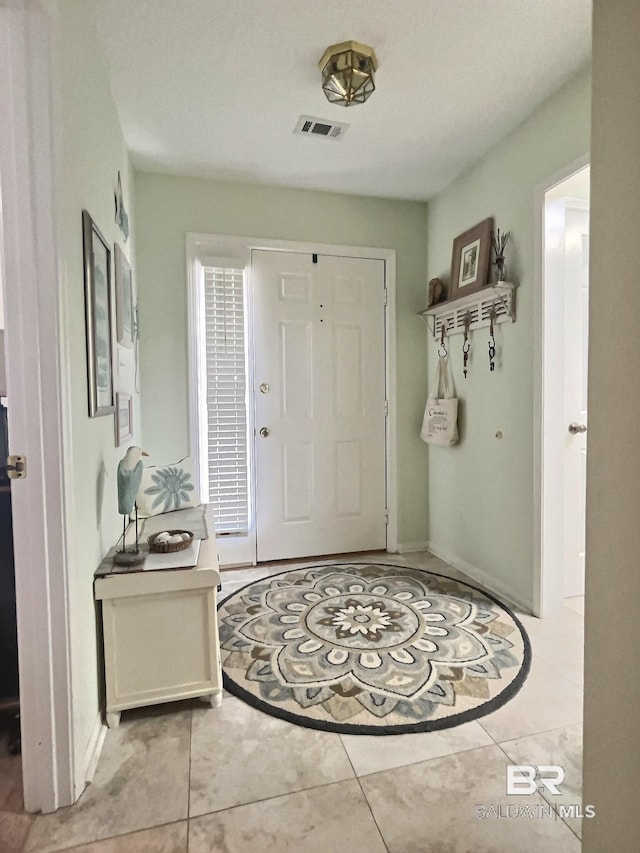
{"x": 124, "y": 299}
{"x": 470, "y": 259}
{"x": 97, "y": 296}
{"x": 124, "y": 418}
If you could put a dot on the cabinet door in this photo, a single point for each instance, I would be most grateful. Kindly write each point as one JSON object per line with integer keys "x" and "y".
{"x": 160, "y": 647}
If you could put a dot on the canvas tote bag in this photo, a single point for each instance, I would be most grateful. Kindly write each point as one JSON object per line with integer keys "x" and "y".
{"x": 440, "y": 423}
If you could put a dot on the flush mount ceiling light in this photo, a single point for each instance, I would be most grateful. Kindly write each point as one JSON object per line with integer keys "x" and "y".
{"x": 347, "y": 73}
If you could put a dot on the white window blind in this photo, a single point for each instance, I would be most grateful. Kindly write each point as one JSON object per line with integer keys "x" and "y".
{"x": 226, "y": 398}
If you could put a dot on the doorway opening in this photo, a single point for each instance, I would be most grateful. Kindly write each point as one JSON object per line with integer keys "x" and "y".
{"x": 562, "y": 371}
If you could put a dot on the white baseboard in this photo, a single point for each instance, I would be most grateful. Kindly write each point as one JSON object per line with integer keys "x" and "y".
{"x": 94, "y": 748}
{"x": 413, "y": 546}
{"x": 481, "y": 577}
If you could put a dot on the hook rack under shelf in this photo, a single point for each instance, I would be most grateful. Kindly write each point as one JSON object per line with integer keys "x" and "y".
{"x": 475, "y": 310}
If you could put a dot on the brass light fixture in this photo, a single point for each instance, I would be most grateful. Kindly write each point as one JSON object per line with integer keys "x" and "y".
{"x": 347, "y": 73}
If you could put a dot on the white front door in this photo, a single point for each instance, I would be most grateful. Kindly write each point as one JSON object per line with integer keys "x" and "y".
{"x": 319, "y": 351}
{"x": 576, "y": 348}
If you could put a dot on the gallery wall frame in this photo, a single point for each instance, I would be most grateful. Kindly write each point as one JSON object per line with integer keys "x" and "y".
{"x": 124, "y": 299}
{"x": 98, "y": 318}
{"x": 124, "y": 418}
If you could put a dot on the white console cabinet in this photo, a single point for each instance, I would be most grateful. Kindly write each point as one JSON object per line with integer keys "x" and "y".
{"x": 160, "y": 634}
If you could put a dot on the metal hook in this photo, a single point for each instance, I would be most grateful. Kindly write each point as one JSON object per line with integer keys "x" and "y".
{"x": 466, "y": 345}
{"x": 467, "y": 323}
{"x": 492, "y": 340}
{"x": 492, "y": 316}
{"x": 442, "y": 350}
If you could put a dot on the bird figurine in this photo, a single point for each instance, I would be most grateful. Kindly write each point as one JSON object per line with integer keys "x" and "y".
{"x": 128, "y": 480}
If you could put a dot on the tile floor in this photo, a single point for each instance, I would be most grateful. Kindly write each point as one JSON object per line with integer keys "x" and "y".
{"x": 187, "y": 777}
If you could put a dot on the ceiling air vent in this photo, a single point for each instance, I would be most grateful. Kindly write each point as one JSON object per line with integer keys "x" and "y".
{"x": 311, "y": 126}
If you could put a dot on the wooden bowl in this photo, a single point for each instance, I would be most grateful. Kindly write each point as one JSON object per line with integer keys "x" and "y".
{"x": 169, "y": 547}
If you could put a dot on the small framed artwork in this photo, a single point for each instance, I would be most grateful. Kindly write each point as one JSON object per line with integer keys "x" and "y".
{"x": 124, "y": 418}
{"x": 470, "y": 259}
{"x": 124, "y": 299}
{"x": 97, "y": 297}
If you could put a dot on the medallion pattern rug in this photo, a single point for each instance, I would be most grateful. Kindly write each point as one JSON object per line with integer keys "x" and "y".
{"x": 364, "y": 648}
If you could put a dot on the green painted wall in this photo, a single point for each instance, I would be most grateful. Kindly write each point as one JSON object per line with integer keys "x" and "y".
{"x": 169, "y": 207}
{"x": 89, "y": 151}
{"x": 481, "y": 507}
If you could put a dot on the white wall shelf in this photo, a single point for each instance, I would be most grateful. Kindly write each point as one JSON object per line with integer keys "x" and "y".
{"x": 476, "y": 309}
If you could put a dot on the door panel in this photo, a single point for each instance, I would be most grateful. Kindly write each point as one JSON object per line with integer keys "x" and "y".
{"x": 320, "y": 347}
{"x": 297, "y": 470}
{"x": 348, "y": 369}
{"x": 295, "y": 288}
{"x": 348, "y": 486}
{"x": 296, "y": 362}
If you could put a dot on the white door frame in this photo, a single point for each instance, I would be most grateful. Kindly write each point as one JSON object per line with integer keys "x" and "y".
{"x": 221, "y": 246}
{"x": 28, "y": 267}
{"x": 548, "y": 352}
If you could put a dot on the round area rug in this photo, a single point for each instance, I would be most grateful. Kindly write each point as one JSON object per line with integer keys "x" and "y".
{"x": 363, "y": 648}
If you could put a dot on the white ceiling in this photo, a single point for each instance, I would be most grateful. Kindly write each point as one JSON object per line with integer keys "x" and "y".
{"x": 214, "y": 88}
